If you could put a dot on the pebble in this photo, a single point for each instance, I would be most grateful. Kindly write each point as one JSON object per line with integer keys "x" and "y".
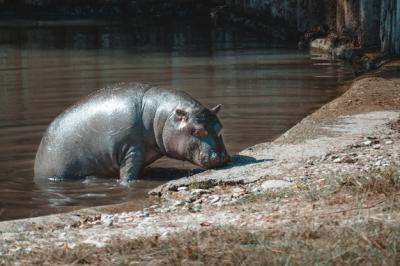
{"x": 367, "y": 143}
{"x": 238, "y": 190}
{"x": 182, "y": 188}
{"x": 376, "y": 146}
{"x": 214, "y": 199}
{"x": 388, "y": 142}
{"x": 200, "y": 191}
{"x": 337, "y": 160}
{"x": 271, "y": 184}
{"x": 348, "y": 159}
{"x": 107, "y": 220}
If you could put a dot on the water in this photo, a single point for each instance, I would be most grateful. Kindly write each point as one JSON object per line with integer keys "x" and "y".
{"x": 264, "y": 91}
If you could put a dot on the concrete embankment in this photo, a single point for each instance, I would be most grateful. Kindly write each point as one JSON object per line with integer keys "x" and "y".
{"x": 328, "y": 190}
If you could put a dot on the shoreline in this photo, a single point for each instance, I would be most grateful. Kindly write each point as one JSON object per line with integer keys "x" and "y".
{"x": 317, "y": 172}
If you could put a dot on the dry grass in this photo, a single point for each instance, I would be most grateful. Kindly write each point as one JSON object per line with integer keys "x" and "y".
{"x": 374, "y": 183}
{"x": 377, "y": 182}
{"x": 373, "y": 243}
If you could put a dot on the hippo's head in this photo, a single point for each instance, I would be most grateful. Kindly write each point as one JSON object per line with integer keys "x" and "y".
{"x": 195, "y": 136}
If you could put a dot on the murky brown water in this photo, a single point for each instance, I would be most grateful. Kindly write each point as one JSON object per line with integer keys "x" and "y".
{"x": 264, "y": 91}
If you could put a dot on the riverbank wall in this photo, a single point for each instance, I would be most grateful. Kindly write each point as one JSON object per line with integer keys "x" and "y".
{"x": 370, "y": 25}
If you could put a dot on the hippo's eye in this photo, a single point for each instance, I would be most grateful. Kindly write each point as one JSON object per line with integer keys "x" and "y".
{"x": 200, "y": 132}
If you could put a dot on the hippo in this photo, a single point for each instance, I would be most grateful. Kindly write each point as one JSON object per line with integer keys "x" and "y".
{"x": 118, "y": 130}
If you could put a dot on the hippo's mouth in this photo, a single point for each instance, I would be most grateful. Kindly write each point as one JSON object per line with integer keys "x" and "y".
{"x": 214, "y": 161}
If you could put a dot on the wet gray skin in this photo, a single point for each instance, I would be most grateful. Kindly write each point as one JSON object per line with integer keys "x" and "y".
{"x": 119, "y": 130}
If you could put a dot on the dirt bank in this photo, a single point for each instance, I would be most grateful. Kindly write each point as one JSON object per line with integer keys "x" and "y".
{"x": 327, "y": 191}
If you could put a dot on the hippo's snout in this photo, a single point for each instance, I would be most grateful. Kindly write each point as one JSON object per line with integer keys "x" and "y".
{"x": 214, "y": 159}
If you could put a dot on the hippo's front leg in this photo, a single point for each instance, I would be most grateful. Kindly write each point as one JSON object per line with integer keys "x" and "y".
{"x": 131, "y": 164}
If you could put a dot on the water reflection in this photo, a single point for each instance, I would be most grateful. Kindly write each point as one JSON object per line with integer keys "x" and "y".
{"x": 264, "y": 91}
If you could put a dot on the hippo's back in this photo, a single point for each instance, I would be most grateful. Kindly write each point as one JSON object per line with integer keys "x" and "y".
{"x": 86, "y": 138}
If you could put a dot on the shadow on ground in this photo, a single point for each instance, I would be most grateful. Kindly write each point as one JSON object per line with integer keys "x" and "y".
{"x": 241, "y": 160}
{"x": 161, "y": 173}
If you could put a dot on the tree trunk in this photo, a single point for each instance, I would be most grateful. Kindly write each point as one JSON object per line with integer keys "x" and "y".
{"x": 347, "y": 16}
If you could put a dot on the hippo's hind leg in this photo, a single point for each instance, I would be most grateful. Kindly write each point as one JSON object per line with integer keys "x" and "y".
{"x": 132, "y": 164}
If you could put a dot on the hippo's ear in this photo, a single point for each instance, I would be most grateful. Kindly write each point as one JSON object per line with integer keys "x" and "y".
{"x": 216, "y": 109}
{"x": 181, "y": 114}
